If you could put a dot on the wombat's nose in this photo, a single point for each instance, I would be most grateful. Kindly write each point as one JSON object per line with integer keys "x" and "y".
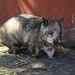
{"x": 59, "y": 41}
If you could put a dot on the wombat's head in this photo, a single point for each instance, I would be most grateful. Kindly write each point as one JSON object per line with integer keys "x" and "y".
{"x": 51, "y": 30}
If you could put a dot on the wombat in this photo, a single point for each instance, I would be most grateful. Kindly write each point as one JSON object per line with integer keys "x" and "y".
{"x": 36, "y": 33}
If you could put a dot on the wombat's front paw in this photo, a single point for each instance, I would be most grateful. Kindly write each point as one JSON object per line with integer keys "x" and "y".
{"x": 52, "y": 57}
{"x": 35, "y": 56}
{"x": 14, "y": 50}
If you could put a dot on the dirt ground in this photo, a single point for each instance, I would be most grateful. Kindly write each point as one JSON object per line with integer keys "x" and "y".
{"x": 24, "y": 64}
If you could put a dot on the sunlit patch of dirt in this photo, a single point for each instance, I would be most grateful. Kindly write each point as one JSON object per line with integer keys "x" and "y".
{"x": 24, "y": 64}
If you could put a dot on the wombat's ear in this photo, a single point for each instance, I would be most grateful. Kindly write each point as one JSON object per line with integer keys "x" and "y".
{"x": 61, "y": 20}
{"x": 45, "y": 21}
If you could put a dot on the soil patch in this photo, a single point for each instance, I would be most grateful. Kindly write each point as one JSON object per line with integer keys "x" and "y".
{"x": 24, "y": 64}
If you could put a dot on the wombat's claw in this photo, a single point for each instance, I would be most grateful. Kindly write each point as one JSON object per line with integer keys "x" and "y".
{"x": 35, "y": 56}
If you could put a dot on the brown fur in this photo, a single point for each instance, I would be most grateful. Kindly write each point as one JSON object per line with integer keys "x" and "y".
{"x": 34, "y": 32}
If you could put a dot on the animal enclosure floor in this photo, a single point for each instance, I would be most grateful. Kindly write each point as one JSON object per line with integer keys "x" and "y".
{"x": 24, "y": 64}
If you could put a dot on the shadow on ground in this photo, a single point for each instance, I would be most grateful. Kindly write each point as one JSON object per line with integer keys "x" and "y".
{"x": 24, "y": 64}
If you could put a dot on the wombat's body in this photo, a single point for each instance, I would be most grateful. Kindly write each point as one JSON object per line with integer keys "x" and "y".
{"x": 30, "y": 31}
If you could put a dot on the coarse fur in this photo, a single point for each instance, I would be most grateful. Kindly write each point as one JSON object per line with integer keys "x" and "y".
{"x": 35, "y": 32}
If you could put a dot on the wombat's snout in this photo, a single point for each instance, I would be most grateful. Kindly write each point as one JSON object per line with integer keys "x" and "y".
{"x": 57, "y": 41}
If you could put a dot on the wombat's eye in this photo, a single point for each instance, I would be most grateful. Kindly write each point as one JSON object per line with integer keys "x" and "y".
{"x": 50, "y": 33}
